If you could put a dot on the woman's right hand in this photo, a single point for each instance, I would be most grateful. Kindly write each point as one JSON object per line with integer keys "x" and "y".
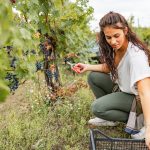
{"x": 80, "y": 67}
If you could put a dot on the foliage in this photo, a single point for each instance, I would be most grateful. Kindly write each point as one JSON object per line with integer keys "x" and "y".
{"x": 66, "y": 22}
{"x": 20, "y": 39}
{"x": 142, "y": 32}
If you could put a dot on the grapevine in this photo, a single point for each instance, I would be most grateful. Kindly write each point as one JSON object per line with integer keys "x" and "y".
{"x": 13, "y": 81}
{"x": 29, "y": 35}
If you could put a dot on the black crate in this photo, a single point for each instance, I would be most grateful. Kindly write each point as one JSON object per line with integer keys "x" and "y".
{"x": 100, "y": 141}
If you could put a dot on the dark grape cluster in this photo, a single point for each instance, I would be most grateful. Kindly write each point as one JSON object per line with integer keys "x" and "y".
{"x": 44, "y": 50}
{"x": 8, "y": 49}
{"x": 49, "y": 73}
{"x": 56, "y": 75}
{"x": 27, "y": 52}
{"x": 13, "y": 81}
{"x": 38, "y": 65}
{"x": 33, "y": 52}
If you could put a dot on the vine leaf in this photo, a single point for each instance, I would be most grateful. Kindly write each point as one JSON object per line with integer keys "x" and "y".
{"x": 4, "y": 91}
{"x": 25, "y": 33}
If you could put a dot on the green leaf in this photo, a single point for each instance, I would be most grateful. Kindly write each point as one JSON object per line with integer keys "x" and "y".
{"x": 25, "y": 33}
{"x": 4, "y": 91}
{"x": 35, "y": 2}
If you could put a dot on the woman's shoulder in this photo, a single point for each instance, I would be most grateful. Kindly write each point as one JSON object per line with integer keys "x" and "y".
{"x": 134, "y": 51}
{"x": 136, "y": 55}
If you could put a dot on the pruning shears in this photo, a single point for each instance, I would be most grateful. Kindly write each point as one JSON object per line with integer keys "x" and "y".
{"x": 71, "y": 64}
{"x": 73, "y": 67}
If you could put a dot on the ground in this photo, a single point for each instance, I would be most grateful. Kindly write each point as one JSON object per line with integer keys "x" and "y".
{"x": 15, "y": 101}
{"x": 64, "y": 122}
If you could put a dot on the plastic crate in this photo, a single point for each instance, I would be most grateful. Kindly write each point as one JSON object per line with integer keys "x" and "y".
{"x": 100, "y": 141}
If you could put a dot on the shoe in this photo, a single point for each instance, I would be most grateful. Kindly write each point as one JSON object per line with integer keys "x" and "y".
{"x": 140, "y": 135}
{"x": 101, "y": 122}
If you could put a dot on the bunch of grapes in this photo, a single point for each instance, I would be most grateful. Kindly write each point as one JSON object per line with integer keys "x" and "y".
{"x": 49, "y": 73}
{"x": 13, "y": 81}
{"x": 27, "y": 52}
{"x": 8, "y": 49}
{"x": 33, "y": 51}
{"x": 39, "y": 66}
{"x": 44, "y": 50}
{"x": 56, "y": 75}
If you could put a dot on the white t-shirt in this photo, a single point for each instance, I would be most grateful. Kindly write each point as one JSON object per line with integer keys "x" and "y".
{"x": 133, "y": 67}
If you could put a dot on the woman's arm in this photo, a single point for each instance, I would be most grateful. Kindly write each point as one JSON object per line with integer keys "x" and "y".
{"x": 88, "y": 67}
{"x": 144, "y": 93}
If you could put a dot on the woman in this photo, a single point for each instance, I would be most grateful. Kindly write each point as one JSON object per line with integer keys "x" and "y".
{"x": 126, "y": 63}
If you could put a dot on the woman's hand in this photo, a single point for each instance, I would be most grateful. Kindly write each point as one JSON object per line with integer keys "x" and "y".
{"x": 147, "y": 137}
{"x": 80, "y": 67}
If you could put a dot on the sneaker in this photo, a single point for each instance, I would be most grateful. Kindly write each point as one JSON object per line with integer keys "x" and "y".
{"x": 101, "y": 122}
{"x": 140, "y": 135}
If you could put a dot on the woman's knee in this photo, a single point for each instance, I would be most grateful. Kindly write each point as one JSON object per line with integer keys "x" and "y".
{"x": 97, "y": 109}
{"x": 90, "y": 77}
{"x": 93, "y": 76}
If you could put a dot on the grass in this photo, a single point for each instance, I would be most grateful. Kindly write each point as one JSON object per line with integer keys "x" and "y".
{"x": 59, "y": 126}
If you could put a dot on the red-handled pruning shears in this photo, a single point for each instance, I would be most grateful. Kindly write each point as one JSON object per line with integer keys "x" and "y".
{"x": 73, "y": 67}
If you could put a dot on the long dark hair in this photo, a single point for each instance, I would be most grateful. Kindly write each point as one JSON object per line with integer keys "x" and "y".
{"x": 107, "y": 53}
